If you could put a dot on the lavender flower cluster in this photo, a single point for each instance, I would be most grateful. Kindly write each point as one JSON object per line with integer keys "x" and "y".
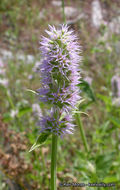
{"x": 59, "y": 76}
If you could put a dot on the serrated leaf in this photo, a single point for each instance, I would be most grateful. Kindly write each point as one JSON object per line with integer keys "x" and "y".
{"x": 40, "y": 140}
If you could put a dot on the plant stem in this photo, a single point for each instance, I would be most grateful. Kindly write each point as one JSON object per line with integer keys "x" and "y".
{"x": 63, "y": 12}
{"x": 79, "y": 123}
{"x": 53, "y": 162}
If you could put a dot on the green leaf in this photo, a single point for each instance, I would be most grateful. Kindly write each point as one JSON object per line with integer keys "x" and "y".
{"x": 85, "y": 87}
{"x": 40, "y": 140}
{"x": 81, "y": 112}
{"x": 31, "y": 91}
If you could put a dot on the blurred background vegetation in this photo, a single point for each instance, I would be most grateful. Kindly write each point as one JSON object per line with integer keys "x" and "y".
{"x": 22, "y": 23}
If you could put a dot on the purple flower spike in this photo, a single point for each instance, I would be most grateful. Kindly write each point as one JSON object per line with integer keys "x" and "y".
{"x": 60, "y": 76}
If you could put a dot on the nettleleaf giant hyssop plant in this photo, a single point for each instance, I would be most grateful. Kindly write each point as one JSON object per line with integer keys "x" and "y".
{"x": 60, "y": 76}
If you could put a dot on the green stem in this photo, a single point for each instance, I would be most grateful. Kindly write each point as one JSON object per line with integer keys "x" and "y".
{"x": 63, "y": 11}
{"x": 53, "y": 162}
{"x": 79, "y": 123}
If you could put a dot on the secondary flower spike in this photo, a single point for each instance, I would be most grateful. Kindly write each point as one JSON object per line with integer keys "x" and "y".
{"x": 60, "y": 75}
